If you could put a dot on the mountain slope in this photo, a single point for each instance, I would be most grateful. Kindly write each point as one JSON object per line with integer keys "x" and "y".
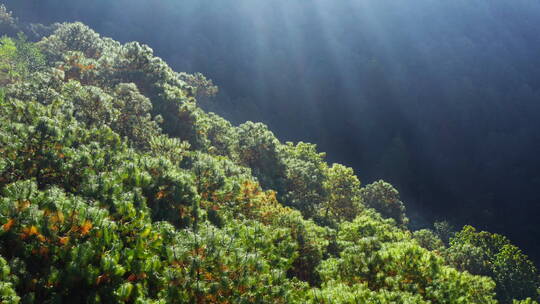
{"x": 116, "y": 187}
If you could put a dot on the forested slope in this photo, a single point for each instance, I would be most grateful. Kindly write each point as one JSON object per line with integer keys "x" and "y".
{"x": 116, "y": 187}
{"x": 438, "y": 97}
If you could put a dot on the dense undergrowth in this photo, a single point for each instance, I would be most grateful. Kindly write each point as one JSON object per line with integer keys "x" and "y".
{"x": 116, "y": 187}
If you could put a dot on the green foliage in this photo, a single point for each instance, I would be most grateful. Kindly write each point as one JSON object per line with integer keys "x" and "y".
{"x": 335, "y": 292}
{"x": 444, "y": 230}
{"x": 259, "y": 150}
{"x": 384, "y": 198}
{"x": 8, "y": 54}
{"x": 171, "y": 148}
{"x": 18, "y": 58}
{"x": 92, "y": 105}
{"x": 343, "y": 187}
{"x": 381, "y": 256}
{"x": 305, "y": 176}
{"x": 204, "y": 88}
{"x": 493, "y": 255}
{"x": 103, "y": 231}
{"x": 220, "y": 135}
{"x": 220, "y": 267}
{"x": 29, "y": 55}
{"x": 526, "y": 301}
{"x": 7, "y": 294}
{"x": 72, "y": 37}
{"x": 428, "y": 240}
{"x": 8, "y": 24}
{"x": 134, "y": 121}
